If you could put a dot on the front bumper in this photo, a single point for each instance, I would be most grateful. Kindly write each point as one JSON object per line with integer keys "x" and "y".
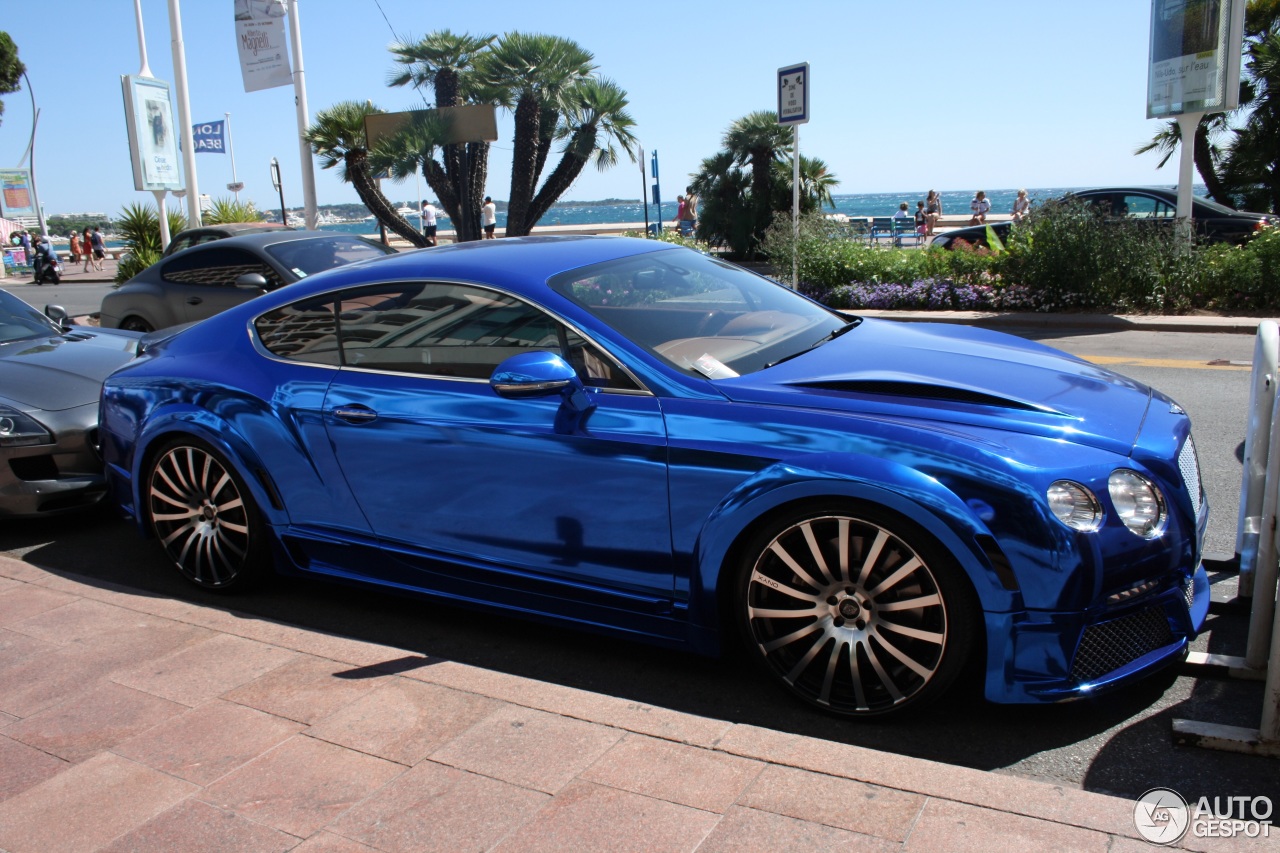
{"x": 1055, "y": 657}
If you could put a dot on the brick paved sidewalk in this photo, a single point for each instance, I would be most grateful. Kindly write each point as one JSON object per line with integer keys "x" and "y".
{"x": 138, "y": 723}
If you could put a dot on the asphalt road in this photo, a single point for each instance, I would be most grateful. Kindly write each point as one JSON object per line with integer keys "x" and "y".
{"x": 1120, "y": 743}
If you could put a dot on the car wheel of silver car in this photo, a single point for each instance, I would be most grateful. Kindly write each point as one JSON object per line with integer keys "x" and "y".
{"x": 855, "y": 610}
{"x": 204, "y": 517}
{"x": 136, "y": 324}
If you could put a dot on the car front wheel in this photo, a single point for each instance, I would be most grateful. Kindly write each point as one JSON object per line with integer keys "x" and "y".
{"x": 855, "y": 610}
{"x": 136, "y": 324}
{"x": 205, "y": 518}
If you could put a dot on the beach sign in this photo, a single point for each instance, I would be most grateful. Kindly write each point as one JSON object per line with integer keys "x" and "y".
{"x": 793, "y": 94}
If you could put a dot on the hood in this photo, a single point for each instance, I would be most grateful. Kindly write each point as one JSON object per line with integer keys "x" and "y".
{"x": 957, "y": 375}
{"x": 61, "y": 371}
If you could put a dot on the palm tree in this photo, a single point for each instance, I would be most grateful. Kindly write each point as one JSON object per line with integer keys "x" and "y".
{"x": 816, "y": 183}
{"x": 535, "y": 71}
{"x": 756, "y": 140}
{"x": 338, "y": 139}
{"x": 445, "y": 61}
{"x": 1251, "y": 167}
{"x": 726, "y": 217}
{"x": 596, "y": 120}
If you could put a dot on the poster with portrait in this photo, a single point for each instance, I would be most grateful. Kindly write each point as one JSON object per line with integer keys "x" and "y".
{"x": 16, "y": 197}
{"x": 261, "y": 40}
{"x": 152, "y": 141}
{"x": 1195, "y": 56}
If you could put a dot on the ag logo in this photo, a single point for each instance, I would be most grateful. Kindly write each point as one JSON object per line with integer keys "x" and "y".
{"x": 1161, "y": 816}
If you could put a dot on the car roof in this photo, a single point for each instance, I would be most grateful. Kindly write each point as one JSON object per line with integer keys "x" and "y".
{"x": 271, "y": 238}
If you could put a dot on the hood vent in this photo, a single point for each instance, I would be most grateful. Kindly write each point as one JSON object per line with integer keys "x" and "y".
{"x": 920, "y": 391}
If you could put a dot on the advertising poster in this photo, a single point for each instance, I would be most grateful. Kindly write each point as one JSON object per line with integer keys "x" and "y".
{"x": 261, "y": 40}
{"x": 16, "y": 198}
{"x": 209, "y": 137}
{"x": 152, "y": 140}
{"x": 1195, "y": 57}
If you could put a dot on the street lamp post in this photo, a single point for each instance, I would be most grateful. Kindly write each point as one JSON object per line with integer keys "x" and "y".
{"x": 275, "y": 182}
{"x": 31, "y": 153}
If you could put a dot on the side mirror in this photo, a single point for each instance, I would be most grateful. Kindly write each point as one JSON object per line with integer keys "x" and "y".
{"x": 59, "y": 315}
{"x": 253, "y": 281}
{"x": 540, "y": 374}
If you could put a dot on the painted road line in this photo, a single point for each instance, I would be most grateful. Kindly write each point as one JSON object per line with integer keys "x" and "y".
{"x": 1176, "y": 363}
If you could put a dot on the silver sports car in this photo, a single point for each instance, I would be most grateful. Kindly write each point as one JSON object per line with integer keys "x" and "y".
{"x": 50, "y": 378}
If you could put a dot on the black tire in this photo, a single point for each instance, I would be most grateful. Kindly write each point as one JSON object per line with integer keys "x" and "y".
{"x": 855, "y": 610}
{"x": 134, "y": 323}
{"x": 205, "y": 518}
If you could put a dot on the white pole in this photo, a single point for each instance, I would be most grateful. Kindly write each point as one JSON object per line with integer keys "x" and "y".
{"x": 184, "y": 115}
{"x": 795, "y": 208}
{"x": 1187, "y": 124}
{"x": 304, "y": 118}
{"x": 231, "y": 149}
{"x": 145, "y": 71}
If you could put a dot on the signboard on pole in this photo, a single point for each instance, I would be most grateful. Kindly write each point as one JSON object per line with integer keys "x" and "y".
{"x": 16, "y": 198}
{"x": 153, "y": 145}
{"x": 209, "y": 138}
{"x": 261, "y": 41}
{"x": 793, "y": 94}
{"x": 1195, "y": 56}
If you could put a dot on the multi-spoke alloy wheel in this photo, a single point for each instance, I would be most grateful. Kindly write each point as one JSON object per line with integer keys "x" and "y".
{"x": 852, "y": 617}
{"x": 203, "y": 517}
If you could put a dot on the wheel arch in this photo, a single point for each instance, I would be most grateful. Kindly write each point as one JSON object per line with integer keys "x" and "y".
{"x": 916, "y": 498}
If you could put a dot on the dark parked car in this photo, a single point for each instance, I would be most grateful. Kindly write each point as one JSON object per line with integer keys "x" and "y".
{"x": 1215, "y": 223}
{"x": 50, "y": 379}
{"x": 641, "y": 440}
{"x": 208, "y": 233}
{"x": 203, "y": 280}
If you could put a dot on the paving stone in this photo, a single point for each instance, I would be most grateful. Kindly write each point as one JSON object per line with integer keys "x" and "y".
{"x": 193, "y": 826}
{"x": 16, "y": 647}
{"x": 94, "y": 721}
{"x": 208, "y": 742}
{"x": 21, "y": 602}
{"x": 437, "y": 808}
{"x": 301, "y": 785}
{"x": 19, "y": 570}
{"x": 327, "y": 842}
{"x": 585, "y": 816}
{"x": 87, "y": 806}
{"x": 403, "y": 720}
{"x": 307, "y": 690}
{"x": 950, "y": 827}
{"x": 529, "y": 748}
{"x": 23, "y": 767}
{"x": 83, "y": 619}
{"x": 749, "y": 829}
{"x": 206, "y": 669}
{"x": 675, "y": 772}
{"x": 843, "y": 803}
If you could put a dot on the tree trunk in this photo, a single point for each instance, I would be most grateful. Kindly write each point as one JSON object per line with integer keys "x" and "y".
{"x": 367, "y": 188}
{"x": 563, "y": 176}
{"x": 1202, "y": 155}
{"x": 524, "y": 160}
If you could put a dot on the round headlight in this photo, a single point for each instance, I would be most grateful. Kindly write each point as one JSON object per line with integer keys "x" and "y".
{"x": 1074, "y": 505}
{"x": 1138, "y": 503}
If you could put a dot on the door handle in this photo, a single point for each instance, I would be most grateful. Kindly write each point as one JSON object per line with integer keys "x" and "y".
{"x": 194, "y": 300}
{"x": 355, "y": 414}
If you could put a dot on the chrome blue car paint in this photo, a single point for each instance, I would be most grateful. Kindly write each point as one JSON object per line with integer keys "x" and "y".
{"x": 623, "y": 518}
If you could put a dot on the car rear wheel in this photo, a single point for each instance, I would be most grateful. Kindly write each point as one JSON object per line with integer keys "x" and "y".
{"x": 205, "y": 518}
{"x": 855, "y": 610}
{"x": 136, "y": 324}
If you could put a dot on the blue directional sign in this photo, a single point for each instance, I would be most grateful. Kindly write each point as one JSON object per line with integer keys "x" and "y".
{"x": 793, "y": 94}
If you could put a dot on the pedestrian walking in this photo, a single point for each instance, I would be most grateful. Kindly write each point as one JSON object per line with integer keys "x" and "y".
{"x": 429, "y": 222}
{"x": 74, "y": 248}
{"x": 87, "y": 245}
{"x": 99, "y": 249}
{"x": 489, "y": 217}
{"x": 689, "y": 215}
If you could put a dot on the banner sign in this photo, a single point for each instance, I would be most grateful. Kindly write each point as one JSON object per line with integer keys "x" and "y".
{"x": 209, "y": 138}
{"x": 1195, "y": 56}
{"x": 16, "y": 198}
{"x": 793, "y": 94}
{"x": 148, "y": 113}
{"x": 262, "y": 42}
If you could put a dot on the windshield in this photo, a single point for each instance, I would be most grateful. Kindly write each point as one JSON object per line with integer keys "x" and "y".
{"x": 703, "y": 316}
{"x": 308, "y": 257}
{"x": 20, "y": 322}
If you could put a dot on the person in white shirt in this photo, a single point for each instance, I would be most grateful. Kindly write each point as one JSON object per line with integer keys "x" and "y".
{"x": 902, "y": 212}
{"x": 489, "y": 217}
{"x": 429, "y": 222}
{"x": 1021, "y": 206}
{"x": 980, "y": 206}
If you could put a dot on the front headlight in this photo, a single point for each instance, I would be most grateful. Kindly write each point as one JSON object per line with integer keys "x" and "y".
{"x": 1074, "y": 505}
{"x": 19, "y": 430}
{"x": 1138, "y": 503}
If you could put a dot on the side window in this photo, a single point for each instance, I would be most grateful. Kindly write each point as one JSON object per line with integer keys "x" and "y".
{"x": 455, "y": 330}
{"x": 180, "y": 244}
{"x": 217, "y": 266}
{"x": 304, "y": 331}
{"x": 1137, "y": 206}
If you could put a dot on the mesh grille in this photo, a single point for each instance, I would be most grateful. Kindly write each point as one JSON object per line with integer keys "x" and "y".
{"x": 1189, "y": 593}
{"x": 1110, "y": 645}
{"x": 1189, "y": 465}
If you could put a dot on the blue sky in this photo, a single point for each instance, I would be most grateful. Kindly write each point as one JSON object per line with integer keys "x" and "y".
{"x": 905, "y": 96}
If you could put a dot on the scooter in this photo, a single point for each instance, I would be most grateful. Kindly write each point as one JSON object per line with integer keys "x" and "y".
{"x": 50, "y": 271}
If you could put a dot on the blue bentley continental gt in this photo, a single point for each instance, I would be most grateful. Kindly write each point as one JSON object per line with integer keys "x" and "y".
{"x": 637, "y": 439}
